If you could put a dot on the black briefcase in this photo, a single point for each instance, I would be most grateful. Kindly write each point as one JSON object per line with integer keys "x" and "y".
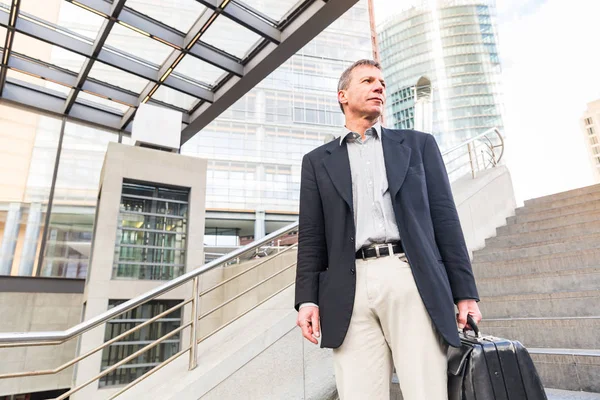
{"x": 490, "y": 368}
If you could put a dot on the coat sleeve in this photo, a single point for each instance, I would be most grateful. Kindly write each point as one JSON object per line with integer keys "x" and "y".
{"x": 446, "y": 224}
{"x": 312, "y": 248}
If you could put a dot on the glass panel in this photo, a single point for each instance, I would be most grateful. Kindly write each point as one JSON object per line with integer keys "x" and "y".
{"x": 49, "y": 12}
{"x": 28, "y": 144}
{"x": 151, "y": 241}
{"x": 138, "y": 45}
{"x": 104, "y": 103}
{"x": 79, "y": 20}
{"x": 273, "y": 9}
{"x": 174, "y": 97}
{"x": 70, "y": 231}
{"x": 38, "y": 81}
{"x": 179, "y": 14}
{"x": 230, "y": 37}
{"x": 135, "y": 341}
{"x": 48, "y": 53}
{"x": 114, "y": 76}
{"x": 2, "y": 36}
{"x": 192, "y": 68}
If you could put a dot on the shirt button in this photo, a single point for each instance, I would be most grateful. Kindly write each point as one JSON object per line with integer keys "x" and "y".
{"x": 352, "y": 271}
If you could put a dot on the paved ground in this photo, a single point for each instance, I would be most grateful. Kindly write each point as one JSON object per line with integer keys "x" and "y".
{"x": 555, "y": 394}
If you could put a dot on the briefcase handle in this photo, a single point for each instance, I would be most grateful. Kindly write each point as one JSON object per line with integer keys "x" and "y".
{"x": 473, "y": 325}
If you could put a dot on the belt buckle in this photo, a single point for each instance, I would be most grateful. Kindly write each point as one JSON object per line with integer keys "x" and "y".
{"x": 390, "y": 249}
{"x": 377, "y": 255}
{"x": 362, "y": 251}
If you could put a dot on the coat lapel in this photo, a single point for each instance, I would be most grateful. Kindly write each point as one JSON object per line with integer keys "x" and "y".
{"x": 337, "y": 165}
{"x": 397, "y": 159}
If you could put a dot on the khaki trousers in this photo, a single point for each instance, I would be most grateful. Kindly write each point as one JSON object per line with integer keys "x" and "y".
{"x": 389, "y": 327}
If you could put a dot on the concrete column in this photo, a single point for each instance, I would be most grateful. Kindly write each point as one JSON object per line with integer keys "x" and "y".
{"x": 32, "y": 233}
{"x": 423, "y": 115}
{"x": 259, "y": 225}
{"x": 10, "y": 237}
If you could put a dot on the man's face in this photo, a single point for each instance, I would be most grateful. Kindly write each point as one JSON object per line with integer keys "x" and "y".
{"x": 365, "y": 95}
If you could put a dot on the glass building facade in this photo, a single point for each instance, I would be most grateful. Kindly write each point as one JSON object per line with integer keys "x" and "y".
{"x": 50, "y": 167}
{"x": 451, "y": 45}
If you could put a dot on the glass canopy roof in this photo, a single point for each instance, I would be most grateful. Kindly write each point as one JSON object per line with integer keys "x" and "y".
{"x": 98, "y": 59}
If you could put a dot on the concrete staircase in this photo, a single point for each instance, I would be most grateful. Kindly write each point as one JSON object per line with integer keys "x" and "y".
{"x": 539, "y": 281}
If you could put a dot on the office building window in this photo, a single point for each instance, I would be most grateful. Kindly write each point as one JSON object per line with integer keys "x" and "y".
{"x": 596, "y": 150}
{"x": 151, "y": 234}
{"x": 118, "y": 351}
{"x": 594, "y": 140}
{"x": 598, "y": 160}
{"x": 588, "y": 121}
{"x": 590, "y": 130}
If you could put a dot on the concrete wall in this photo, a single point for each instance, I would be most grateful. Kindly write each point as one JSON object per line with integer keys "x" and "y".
{"x": 484, "y": 204}
{"x": 147, "y": 165}
{"x": 30, "y": 312}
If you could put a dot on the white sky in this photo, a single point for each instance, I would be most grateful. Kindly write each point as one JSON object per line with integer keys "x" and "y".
{"x": 551, "y": 70}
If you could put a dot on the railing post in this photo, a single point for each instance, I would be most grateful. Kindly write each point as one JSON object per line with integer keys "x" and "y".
{"x": 470, "y": 148}
{"x": 194, "y": 326}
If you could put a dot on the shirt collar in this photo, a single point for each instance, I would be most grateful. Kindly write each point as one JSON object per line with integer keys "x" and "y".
{"x": 346, "y": 134}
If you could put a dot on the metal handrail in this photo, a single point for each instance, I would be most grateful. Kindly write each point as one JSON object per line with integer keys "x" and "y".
{"x": 61, "y": 336}
{"x": 476, "y": 138}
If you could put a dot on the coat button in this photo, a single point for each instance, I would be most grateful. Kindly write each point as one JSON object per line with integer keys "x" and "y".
{"x": 352, "y": 271}
{"x": 351, "y": 238}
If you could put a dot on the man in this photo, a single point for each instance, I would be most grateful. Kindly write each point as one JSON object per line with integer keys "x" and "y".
{"x": 382, "y": 258}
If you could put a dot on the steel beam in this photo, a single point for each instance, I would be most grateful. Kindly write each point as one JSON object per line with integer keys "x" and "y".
{"x": 246, "y": 19}
{"x": 296, "y": 34}
{"x": 67, "y": 78}
{"x": 107, "y": 25}
{"x": 168, "y": 35}
{"x": 13, "y": 16}
{"x": 46, "y": 100}
{"x": 114, "y": 59}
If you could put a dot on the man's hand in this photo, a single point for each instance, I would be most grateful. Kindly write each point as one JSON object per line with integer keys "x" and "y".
{"x": 308, "y": 321}
{"x": 466, "y": 307}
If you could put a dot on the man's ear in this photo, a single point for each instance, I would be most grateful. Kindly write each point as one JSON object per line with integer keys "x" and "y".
{"x": 342, "y": 97}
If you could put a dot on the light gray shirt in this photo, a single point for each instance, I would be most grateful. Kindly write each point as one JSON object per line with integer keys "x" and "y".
{"x": 374, "y": 217}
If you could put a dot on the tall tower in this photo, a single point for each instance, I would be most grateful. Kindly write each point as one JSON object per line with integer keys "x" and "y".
{"x": 442, "y": 69}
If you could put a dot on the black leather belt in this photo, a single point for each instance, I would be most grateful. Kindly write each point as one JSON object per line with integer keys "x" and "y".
{"x": 380, "y": 250}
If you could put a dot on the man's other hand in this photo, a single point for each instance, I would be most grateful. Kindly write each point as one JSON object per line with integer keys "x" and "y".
{"x": 308, "y": 321}
{"x": 466, "y": 307}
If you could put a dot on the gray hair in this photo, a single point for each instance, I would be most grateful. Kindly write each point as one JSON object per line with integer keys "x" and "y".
{"x": 344, "y": 81}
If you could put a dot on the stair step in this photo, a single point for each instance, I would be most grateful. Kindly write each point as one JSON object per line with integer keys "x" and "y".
{"x": 556, "y": 212}
{"x": 577, "y": 237}
{"x": 556, "y": 304}
{"x": 561, "y": 394}
{"x": 567, "y": 280}
{"x": 544, "y": 236}
{"x": 570, "y": 332}
{"x": 569, "y": 369}
{"x": 581, "y": 199}
{"x": 513, "y": 227}
{"x": 537, "y": 265}
{"x": 588, "y": 243}
{"x": 563, "y": 195}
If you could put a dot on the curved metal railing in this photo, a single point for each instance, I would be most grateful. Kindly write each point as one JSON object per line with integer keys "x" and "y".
{"x": 479, "y": 153}
{"x": 482, "y": 152}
